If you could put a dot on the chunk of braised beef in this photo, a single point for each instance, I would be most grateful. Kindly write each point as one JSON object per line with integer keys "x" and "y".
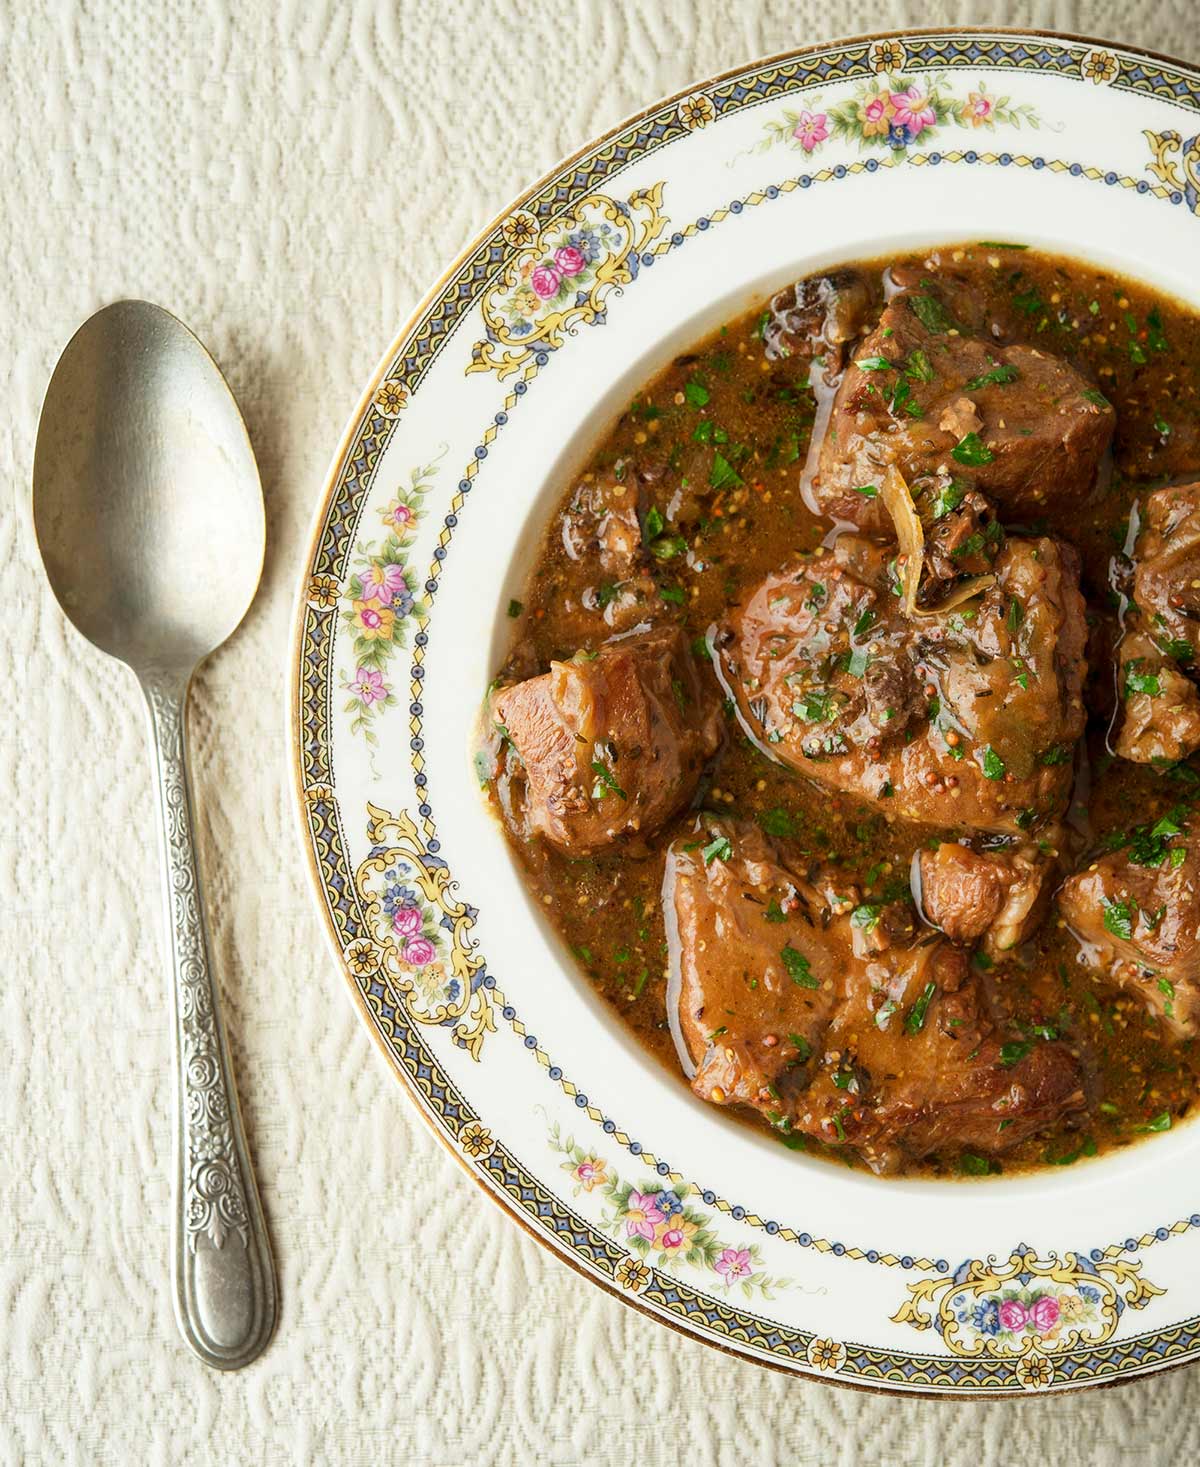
{"x": 819, "y": 316}
{"x": 1136, "y": 912}
{"x": 925, "y": 396}
{"x": 1159, "y": 705}
{"x": 996, "y": 897}
{"x": 988, "y": 735}
{"x": 1166, "y": 584}
{"x": 962, "y": 541}
{"x": 613, "y": 742}
{"x": 788, "y": 996}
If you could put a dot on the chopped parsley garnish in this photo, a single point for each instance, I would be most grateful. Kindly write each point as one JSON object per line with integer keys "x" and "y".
{"x": 949, "y": 497}
{"x": 515, "y": 608}
{"x": 1097, "y": 399}
{"x": 774, "y": 912}
{"x": 1057, "y": 754}
{"x": 801, "y": 1045}
{"x": 696, "y": 393}
{"x": 1118, "y": 917}
{"x": 1148, "y": 843}
{"x": 867, "y": 916}
{"x": 1140, "y": 682}
{"x": 718, "y": 850}
{"x": 673, "y": 594}
{"x": 868, "y": 491}
{"x": 875, "y": 364}
{"x": 814, "y": 707}
{"x": 653, "y": 524}
{"x": 997, "y": 377}
{"x": 971, "y": 1165}
{"x": 930, "y": 312}
{"x": 972, "y": 450}
{"x": 993, "y": 766}
{"x": 865, "y": 621}
{"x": 607, "y": 592}
{"x": 1014, "y": 1052}
{"x": 799, "y": 970}
{"x": 915, "y": 1021}
{"x": 917, "y": 368}
{"x": 776, "y": 821}
{"x": 723, "y": 475}
{"x": 1161, "y": 1122}
{"x": 1179, "y": 649}
{"x": 605, "y": 783}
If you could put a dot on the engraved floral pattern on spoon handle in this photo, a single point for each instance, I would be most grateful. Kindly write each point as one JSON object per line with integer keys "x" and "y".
{"x": 221, "y": 1261}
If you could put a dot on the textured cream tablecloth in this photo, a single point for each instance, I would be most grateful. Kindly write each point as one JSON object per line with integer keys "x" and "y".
{"x": 288, "y": 177}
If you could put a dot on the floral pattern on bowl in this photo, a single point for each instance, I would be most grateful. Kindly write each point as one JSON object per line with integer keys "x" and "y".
{"x": 662, "y": 1224}
{"x": 382, "y": 602}
{"x": 897, "y": 112}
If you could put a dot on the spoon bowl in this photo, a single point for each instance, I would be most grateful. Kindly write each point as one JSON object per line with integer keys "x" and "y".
{"x": 149, "y": 516}
{"x": 148, "y": 511}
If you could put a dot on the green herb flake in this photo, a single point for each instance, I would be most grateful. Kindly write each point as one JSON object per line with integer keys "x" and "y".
{"x": 515, "y": 608}
{"x": 993, "y": 766}
{"x": 1014, "y": 1052}
{"x": 1118, "y": 917}
{"x": 1097, "y": 399}
{"x": 673, "y": 594}
{"x": 718, "y": 850}
{"x": 866, "y": 917}
{"x": 696, "y": 393}
{"x": 949, "y": 498}
{"x": 971, "y": 1165}
{"x": 997, "y": 377}
{"x": 1140, "y": 682}
{"x": 605, "y": 783}
{"x": 868, "y": 491}
{"x": 799, "y": 970}
{"x": 971, "y": 450}
{"x": 931, "y": 313}
{"x": 875, "y": 364}
{"x": 915, "y": 1021}
{"x": 777, "y": 822}
{"x": 723, "y": 475}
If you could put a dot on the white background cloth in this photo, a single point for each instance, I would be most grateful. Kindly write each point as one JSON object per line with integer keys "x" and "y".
{"x": 288, "y": 176}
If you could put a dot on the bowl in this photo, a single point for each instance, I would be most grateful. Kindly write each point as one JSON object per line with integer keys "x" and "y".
{"x": 490, "y": 396}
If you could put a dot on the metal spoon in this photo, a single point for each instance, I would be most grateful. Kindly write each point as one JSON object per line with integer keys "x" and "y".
{"x": 149, "y": 517}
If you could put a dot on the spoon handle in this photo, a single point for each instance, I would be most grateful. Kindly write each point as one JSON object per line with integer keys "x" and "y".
{"x": 224, "y": 1278}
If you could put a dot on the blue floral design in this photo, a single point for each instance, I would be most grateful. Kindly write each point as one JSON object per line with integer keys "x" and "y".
{"x": 669, "y": 1203}
{"x": 986, "y": 1317}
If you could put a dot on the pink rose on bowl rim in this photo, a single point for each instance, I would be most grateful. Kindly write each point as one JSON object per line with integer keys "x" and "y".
{"x": 569, "y": 260}
{"x": 419, "y": 951}
{"x": 545, "y": 280}
{"x": 407, "y": 922}
{"x": 1044, "y": 1312}
{"x": 1013, "y": 1314}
